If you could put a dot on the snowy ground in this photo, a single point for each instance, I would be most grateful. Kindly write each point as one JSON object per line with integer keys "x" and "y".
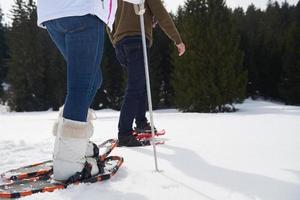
{"x": 253, "y": 154}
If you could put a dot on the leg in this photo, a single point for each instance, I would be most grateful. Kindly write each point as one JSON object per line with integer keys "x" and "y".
{"x": 96, "y": 85}
{"x": 140, "y": 117}
{"x": 129, "y": 53}
{"x": 83, "y": 38}
{"x": 131, "y": 49}
{"x": 57, "y": 37}
{"x": 84, "y": 53}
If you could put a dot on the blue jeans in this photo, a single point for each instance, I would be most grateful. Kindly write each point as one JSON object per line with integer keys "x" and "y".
{"x": 80, "y": 39}
{"x": 129, "y": 52}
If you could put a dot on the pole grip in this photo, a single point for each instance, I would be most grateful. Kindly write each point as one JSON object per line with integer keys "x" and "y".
{"x": 139, "y": 9}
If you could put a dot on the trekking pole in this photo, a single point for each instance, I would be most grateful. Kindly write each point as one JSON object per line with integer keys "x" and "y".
{"x": 139, "y": 9}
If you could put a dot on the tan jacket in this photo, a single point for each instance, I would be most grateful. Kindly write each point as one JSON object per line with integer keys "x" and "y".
{"x": 127, "y": 23}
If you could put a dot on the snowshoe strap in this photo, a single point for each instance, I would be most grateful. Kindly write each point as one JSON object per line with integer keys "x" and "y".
{"x": 145, "y": 142}
{"x": 101, "y": 165}
{"x": 96, "y": 151}
{"x": 79, "y": 176}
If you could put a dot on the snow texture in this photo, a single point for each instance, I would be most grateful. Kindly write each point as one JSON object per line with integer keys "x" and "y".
{"x": 253, "y": 154}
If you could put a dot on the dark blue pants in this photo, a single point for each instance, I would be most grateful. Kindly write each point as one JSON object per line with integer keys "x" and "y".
{"x": 129, "y": 52}
{"x": 80, "y": 39}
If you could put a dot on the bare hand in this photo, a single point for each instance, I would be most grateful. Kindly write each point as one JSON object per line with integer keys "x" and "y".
{"x": 180, "y": 48}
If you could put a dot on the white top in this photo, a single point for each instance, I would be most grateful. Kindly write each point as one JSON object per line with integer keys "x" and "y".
{"x": 135, "y": 1}
{"x": 54, "y": 9}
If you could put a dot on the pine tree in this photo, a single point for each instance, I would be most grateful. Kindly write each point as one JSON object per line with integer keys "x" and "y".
{"x": 161, "y": 69}
{"x": 270, "y": 58}
{"x": 26, "y": 64}
{"x": 3, "y": 55}
{"x": 289, "y": 88}
{"x": 250, "y": 30}
{"x": 15, "y": 74}
{"x": 211, "y": 74}
{"x": 55, "y": 73}
{"x": 190, "y": 77}
{"x": 110, "y": 95}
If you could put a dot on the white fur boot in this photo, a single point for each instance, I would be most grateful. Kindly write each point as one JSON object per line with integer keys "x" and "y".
{"x": 91, "y": 116}
{"x": 70, "y": 148}
{"x": 90, "y": 151}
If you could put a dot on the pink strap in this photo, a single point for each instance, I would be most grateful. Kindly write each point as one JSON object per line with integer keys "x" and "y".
{"x": 110, "y": 8}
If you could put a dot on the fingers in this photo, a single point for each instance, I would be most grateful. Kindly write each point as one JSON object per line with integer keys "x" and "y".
{"x": 181, "y": 49}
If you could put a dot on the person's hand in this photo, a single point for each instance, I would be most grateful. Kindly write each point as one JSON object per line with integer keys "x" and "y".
{"x": 180, "y": 48}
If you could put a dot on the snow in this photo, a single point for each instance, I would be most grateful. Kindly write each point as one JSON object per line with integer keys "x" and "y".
{"x": 253, "y": 154}
{"x": 4, "y": 109}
